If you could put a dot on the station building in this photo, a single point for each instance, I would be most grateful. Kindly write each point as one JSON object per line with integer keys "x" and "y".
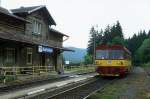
{"x": 27, "y": 39}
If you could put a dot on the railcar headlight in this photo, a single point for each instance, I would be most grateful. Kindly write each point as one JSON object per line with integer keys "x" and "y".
{"x": 96, "y": 62}
{"x": 120, "y": 63}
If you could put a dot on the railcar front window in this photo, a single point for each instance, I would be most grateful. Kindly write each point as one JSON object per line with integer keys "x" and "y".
{"x": 116, "y": 54}
{"x": 102, "y": 54}
{"x": 109, "y": 54}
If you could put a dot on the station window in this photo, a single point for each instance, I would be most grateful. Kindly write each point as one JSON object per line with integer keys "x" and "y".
{"x": 29, "y": 56}
{"x": 37, "y": 27}
{"x": 10, "y": 55}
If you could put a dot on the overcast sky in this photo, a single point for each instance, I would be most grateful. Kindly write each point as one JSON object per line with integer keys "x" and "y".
{"x": 76, "y": 17}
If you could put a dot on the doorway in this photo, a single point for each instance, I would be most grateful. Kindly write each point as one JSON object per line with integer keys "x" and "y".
{"x": 42, "y": 59}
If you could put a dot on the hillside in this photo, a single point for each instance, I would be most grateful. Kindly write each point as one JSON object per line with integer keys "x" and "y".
{"x": 75, "y": 57}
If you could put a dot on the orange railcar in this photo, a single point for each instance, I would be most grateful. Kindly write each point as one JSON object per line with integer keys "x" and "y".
{"x": 112, "y": 60}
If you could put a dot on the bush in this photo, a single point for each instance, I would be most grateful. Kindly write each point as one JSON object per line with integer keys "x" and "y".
{"x": 146, "y": 64}
{"x": 10, "y": 78}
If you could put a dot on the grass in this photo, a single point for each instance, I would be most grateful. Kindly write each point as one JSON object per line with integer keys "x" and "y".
{"x": 134, "y": 86}
{"x": 109, "y": 92}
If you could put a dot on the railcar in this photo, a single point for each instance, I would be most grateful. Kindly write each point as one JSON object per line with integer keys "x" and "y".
{"x": 112, "y": 60}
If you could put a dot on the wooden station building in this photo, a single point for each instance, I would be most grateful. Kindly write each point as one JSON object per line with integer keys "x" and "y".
{"x": 27, "y": 39}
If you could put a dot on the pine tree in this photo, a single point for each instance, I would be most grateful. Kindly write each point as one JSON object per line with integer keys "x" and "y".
{"x": 119, "y": 30}
{"x": 113, "y": 32}
{"x": 134, "y": 43}
{"x": 99, "y": 37}
{"x": 106, "y": 36}
{"x": 149, "y": 33}
{"x": 90, "y": 48}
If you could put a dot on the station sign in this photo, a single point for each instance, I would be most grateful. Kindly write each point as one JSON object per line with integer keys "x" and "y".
{"x": 44, "y": 49}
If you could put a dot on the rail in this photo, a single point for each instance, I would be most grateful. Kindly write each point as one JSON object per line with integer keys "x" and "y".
{"x": 83, "y": 91}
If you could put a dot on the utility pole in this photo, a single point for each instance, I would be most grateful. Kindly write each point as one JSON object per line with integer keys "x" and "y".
{"x": 94, "y": 49}
{"x": 94, "y": 45}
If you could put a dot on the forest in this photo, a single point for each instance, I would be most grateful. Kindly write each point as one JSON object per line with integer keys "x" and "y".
{"x": 138, "y": 44}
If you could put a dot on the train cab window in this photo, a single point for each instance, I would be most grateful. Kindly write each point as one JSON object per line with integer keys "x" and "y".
{"x": 116, "y": 54}
{"x": 102, "y": 54}
{"x": 109, "y": 54}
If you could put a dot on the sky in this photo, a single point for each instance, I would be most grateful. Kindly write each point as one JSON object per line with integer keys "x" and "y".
{"x": 76, "y": 17}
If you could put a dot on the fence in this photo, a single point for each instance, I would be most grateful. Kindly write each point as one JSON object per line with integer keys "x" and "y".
{"x": 11, "y": 73}
{"x": 80, "y": 68}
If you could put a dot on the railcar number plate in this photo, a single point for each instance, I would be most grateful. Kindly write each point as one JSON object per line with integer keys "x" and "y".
{"x": 109, "y": 62}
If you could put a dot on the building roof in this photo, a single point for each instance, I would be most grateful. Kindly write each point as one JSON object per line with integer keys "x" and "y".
{"x": 7, "y": 13}
{"x": 24, "y": 38}
{"x": 24, "y": 9}
{"x": 65, "y": 49}
{"x": 57, "y": 32}
{"x": 29, "y": 10}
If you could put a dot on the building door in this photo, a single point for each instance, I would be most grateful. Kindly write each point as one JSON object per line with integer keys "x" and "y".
{"x": 42, "y": 59}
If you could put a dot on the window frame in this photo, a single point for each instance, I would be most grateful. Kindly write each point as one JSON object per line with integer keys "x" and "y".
{"x": 10, "y": 57}
{"x": 29, "y": 52}
{"x": 37, "y": 27}
{"x": 110, "y": 54}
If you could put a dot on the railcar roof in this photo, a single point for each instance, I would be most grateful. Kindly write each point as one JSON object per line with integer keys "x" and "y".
{"x": 112, "y": 47}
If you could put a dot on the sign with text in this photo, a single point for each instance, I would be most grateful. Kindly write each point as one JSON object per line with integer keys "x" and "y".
{"x": 44, "y": 49}
{"x": 67, "y": 62}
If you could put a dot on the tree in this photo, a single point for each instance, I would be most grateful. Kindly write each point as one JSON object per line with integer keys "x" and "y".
{"x": 118, "y": 40}
{"x": 144, "y": 51}
{"x": 88, "y": 59}
{"x": 111, "y": 35}
{"x": 149, "y": 33}
{"x": 112, "y": 32}
{"x": 106, "y": 36}
{"x": 91, "y": 41}
{"x": 119, "y": 30}
{"x": 95, "y": 37}
{"x": 133, "y": 43}
{"x": 99, "y": 37}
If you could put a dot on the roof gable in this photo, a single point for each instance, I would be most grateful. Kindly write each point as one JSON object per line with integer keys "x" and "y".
{"x": 30, "y": 10}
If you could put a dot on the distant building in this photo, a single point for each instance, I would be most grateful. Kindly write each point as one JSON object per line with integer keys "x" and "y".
{"x": 27, "y": 39}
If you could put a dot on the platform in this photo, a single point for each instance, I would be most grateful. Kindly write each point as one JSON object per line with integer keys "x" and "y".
{"x": 41, "y": 88}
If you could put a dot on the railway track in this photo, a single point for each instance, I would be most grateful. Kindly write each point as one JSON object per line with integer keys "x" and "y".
{"x": 82, "y": 91}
